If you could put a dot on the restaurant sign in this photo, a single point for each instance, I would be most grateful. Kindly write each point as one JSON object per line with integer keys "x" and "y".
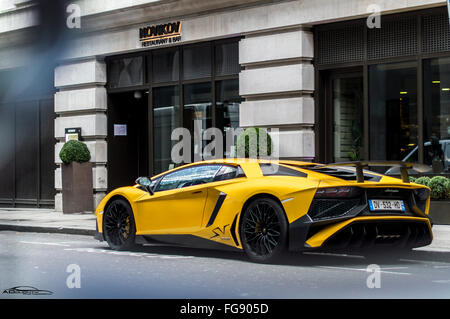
{"x": 160, "y": 34}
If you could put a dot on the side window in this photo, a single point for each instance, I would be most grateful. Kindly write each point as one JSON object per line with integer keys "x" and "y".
{"x": 274, "y": 169}
{"x": 155, "y": 182}
{"x": 229, "y": 172}
{"x": 190, "y": 176}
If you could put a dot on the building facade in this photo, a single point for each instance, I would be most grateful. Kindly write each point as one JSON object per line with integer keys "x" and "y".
{"x": 326, "y": 85}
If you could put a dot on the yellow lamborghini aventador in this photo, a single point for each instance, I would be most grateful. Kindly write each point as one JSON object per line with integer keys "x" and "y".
{"x": 267, "y": 207}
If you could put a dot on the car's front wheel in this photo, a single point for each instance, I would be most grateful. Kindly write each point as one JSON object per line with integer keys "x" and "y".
{"x": 118, "y": 225}
{"x": 263, "y": 230}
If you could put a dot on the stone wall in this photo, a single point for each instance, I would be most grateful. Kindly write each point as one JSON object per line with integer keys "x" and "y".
{"x": 81, "y": 101}
{"x": 277, "y": 83}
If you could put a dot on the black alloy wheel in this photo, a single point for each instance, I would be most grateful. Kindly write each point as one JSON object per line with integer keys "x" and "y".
{"x": 118, "y": 225}
{"x": 263, "y": 230}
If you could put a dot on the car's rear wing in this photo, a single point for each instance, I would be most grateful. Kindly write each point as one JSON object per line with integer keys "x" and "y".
{"x": 360, "y": 165}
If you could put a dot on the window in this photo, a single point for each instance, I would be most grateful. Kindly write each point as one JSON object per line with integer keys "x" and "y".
{"x": 165, "y": 119}
{"x": 227, "y": 59}
{"x": 273, "y": 169}
{"x": 348, "y": 117}
{"x": 165, "y": 66}
{"x": 405, "y": 76}
{"x": 155, "y": 182}
{"x": 190, "y": 176}
{"x": 227, "y": 111}
{"x": 125, "y": 72}
{"x": 229, "y": 172}
{"x": 393, "y": 110}
{"x": 197, "y": 61}
{"x": 197, "y": 114}
{"x": 436, "y": 111}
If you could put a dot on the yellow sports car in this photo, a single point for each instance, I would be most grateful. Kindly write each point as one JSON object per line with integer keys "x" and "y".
{"x": 266, "y": 207}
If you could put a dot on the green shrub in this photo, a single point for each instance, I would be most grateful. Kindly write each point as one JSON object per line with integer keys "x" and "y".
{"x": 423, "y": 180}
{"x": 74, "y": 151}
{"x": 412, "y": 179}
{"x": 245, "y": 143}
{"x": 440, "y": 187}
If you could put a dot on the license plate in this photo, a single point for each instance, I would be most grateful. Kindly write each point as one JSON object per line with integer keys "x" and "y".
{"x": 386, "y": 204}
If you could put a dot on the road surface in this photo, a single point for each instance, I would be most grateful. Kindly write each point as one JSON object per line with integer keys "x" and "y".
{"x": 74, "y": 266}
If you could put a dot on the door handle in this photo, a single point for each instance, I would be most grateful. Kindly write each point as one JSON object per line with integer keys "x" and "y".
{"x": 196, "y": 192}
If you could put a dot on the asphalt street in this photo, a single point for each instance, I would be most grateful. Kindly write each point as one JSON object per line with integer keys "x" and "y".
{"x": 75, "y": 266}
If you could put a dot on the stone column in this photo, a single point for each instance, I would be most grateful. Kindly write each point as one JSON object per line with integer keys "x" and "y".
{"x": 81, "y": 101}
{"x": 277, "y": 83}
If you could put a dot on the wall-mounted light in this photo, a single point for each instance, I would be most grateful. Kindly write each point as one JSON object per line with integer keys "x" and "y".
{"x": 137, "y": 95}
{"x": 445, "y": 89}
{"x": 436, "y": 82}
{"x": 403, "y": 92}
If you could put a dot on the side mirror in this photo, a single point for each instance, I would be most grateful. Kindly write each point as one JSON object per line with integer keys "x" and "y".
{"x": 145, "y": 182}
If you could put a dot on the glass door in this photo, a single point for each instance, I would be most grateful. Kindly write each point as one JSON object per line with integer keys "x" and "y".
{"x": 127, "y": 138}
{"x": 347, "y": 117}
{"x": 393, "y": 111}
{"x": 197, "y": 115}
{"x": 166, "y": 113}
{"x": 341, "y": 117}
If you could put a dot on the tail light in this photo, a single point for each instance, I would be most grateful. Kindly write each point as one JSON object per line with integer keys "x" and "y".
{"x": 422, "y": 193}
{"x": 338, "y": 192}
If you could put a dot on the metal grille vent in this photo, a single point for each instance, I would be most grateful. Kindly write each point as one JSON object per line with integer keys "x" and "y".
{"x": 435, "y": 33}
{"x": 396, "y": 37}
{"x": 344, "y": 44}
{"x": 347, "y": 42}
{"x": 331, "y": 208}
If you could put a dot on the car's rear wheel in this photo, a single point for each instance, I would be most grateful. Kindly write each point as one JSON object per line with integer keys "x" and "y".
{"x": 118, "y": 225}
{"x": 263, "y": 230}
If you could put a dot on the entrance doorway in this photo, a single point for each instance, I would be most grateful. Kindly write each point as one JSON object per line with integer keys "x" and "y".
{"x": 194, "y": 86}
{"x": 342, "y": 115}
{"x": 27, "y": 153}
{"x": 128, "y": 142}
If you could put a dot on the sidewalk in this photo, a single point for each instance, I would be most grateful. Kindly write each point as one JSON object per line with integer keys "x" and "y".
{"x": 441, "y": 239}
{"x": 49, "y": 221}
{"x": 46, "y": 221}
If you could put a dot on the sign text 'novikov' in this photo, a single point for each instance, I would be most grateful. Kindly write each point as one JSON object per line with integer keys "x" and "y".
{"x": 160, "y": 34}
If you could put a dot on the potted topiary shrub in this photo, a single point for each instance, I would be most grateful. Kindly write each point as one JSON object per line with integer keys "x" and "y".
{"x": 440, "y": 187}
{"x": 77, "y": 186}
{"x": 440, "y": 200}
{"x": 423, "y": 180}
{"x": 254, "y": 142}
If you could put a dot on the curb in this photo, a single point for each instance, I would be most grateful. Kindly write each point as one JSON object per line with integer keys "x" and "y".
{"x": 43, "y": 229}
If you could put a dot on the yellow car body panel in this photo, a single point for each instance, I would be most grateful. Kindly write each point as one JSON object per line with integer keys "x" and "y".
{"x": 189, "y": 210}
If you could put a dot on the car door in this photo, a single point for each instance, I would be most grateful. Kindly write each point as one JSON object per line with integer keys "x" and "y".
{"x": 178, "y": 202}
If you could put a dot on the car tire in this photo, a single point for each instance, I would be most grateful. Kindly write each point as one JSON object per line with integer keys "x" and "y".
{"x": 119, "y": 227}
{"x": 263, "y": 230}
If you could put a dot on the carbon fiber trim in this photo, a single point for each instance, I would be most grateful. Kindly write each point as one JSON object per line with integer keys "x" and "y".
{"x": 216, "y": 209}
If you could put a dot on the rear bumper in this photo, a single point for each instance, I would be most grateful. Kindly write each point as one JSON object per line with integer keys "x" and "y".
{"x": 364, "y": 232}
